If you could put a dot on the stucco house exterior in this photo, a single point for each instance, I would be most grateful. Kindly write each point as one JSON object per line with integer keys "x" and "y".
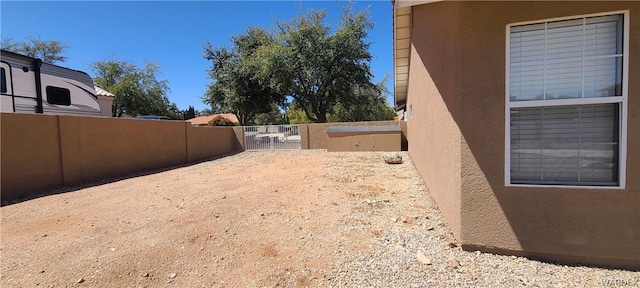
{"x": 523, "y": 118}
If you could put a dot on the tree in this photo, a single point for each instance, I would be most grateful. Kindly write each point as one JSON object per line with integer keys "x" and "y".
{"x": 317, "y": 68}
{"x": 365, "y": 104}
{"x": 190, "y": 113}
{"x": 49, "y": 51}
{"x": 297, "y": 116}
{"x": 173, "y": 111}
{"x": 273, "y": 117}
{"x": 204, "y": 112}
{"x": 137, "y": 89}
{"x": 236, "y": 88}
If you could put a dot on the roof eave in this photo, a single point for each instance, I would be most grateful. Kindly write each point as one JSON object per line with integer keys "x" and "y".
{"x": 402, "y": 47}
{"x": 409, "y": 3}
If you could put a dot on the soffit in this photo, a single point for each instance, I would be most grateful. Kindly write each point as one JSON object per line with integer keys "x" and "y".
{"x": 402, "y": 47}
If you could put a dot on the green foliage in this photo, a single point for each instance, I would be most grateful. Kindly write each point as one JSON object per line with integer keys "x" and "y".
{"x": 173, "y": 112}
{"x": 364, "y": 104}
{"x": 49, "y": 51}
{"x": 137, "y": 89}
{"x": 324, "y": 69}
{"x": 317, "y": 68}
{"x": 190, "y": 113}
{"x": 273, "y": 117}
{"x": 236, "y": 88}
{"x": 297, "y": 116}
{"x": 204, "y": 112}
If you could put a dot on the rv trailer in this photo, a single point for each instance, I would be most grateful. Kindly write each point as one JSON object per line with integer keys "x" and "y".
{"x": 31, "y": 86}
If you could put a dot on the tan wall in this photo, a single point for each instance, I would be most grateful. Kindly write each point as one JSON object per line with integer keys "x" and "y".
{"x": 404, "y": 144}
{"x": 314, "y": 136}
{"x": 577, "y": 225}
{"x": 98, "y": 148}
{"x": 30, "y": 154}
{"x": 202, "y": 142}
{"x": 239, "y": 141}
{"x": 373, "y": 141}
{"x": 43, "y": 152}
{"x": 433, "y": 134}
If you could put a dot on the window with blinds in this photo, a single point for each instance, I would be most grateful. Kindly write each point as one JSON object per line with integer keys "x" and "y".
{"x": 564, "y": 145}
{"x": 565, "y": 97}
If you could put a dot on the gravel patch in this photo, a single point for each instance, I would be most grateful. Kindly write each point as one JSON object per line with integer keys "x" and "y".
{"x": 417, "y": 249}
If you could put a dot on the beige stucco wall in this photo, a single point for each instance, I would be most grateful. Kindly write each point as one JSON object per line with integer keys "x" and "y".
{"x": 466, "y": 42}
{"x": 239, "y": 141}
{"x": 362, "y": 141}
{"x": 433, "y": 134}
{"x": 97, "y": 148}
{"x": 42, "y": 152}
{"x": 30, "y": 154}
{"x": 404, "y": 144}
{"x": 202, "y": 142}
{"x": 314, "y": 136}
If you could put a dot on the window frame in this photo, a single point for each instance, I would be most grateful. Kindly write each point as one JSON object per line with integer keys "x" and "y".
{"x": 57, "y": 88}
{"x": 8, "y": 75}
{"x": 620, "y": 100}
{"x": 4, "y": 81}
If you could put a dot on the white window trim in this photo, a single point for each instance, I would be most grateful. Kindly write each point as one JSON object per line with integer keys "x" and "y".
{"x": 622, "y": 160}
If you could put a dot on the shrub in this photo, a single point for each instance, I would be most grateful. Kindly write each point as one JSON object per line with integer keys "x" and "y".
{"x": 221, "y": 121}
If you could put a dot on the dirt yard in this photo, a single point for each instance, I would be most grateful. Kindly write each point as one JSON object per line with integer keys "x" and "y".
{"x": 259, "y": 219}
{"x": 252, "y": 219}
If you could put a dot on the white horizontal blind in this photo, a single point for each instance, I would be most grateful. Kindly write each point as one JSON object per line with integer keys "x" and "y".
{"x": 566, "y": 59}
{"x": 565, "y": 145}
{"x": 556, "y": 135}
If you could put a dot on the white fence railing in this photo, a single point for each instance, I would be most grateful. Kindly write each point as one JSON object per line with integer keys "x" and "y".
{"x": 285, "y": 137}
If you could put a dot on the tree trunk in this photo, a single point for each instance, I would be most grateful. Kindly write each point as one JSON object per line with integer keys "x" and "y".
{"x": 321, "y": 115}
{"x": 321, "y": 118}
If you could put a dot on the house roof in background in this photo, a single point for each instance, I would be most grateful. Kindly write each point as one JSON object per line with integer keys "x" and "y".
{"x": 204, "y": 120}
{"x": 102, "y": 92}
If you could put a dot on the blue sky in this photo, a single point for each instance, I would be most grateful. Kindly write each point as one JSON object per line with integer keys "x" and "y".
{"x": 172, "y": 34}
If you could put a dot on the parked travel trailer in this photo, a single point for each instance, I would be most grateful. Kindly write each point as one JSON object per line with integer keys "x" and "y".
{"x": 31, "y": 86}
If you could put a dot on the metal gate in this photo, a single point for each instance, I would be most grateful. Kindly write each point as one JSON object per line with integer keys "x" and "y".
{"x": 272, "y": 137}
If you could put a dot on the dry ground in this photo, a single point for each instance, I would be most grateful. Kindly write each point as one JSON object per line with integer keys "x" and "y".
{"x": 252, "y": 219}
{"x": 260, "y": 219}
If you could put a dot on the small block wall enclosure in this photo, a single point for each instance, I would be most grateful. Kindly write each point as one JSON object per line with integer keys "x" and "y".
{"x": 364, "y": 138}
